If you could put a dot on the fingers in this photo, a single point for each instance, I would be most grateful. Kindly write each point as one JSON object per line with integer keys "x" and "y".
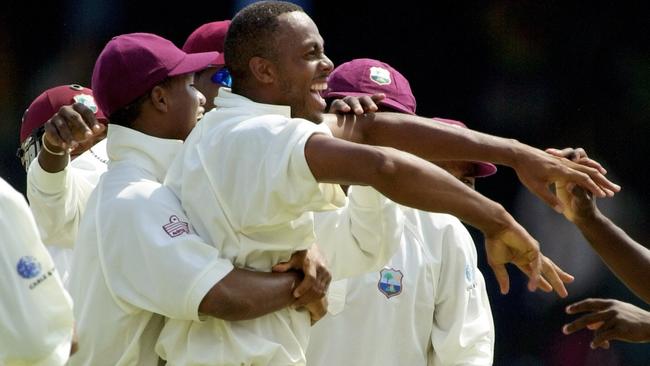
{"x": 584, "y": 321}
{"x": 535, "y": 269}
{"x": 316, "y": 291}
{"x": 501, "y": 275}
{"x": 354, "y": 104}
{"x": 75, "y": 120}
{"x": 587, "y": 305}
{"x": 378, "y": 97}
{"x": 282, "y": 267}
{"x": 368, "y": 104}
{"x": 603, "y": 335}
{"x": 89, "y": 117}
{"x": 552, "y": 274}
{"x": 339, "y": 106}
{"x": 592, "y": 180}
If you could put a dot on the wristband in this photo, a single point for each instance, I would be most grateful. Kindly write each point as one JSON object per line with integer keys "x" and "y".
{"x": 60, "y": 153}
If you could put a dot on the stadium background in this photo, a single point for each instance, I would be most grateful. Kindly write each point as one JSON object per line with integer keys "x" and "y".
{"x": 551, "y": 74}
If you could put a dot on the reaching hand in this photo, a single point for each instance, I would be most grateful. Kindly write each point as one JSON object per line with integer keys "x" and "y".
{"x": 513, "y": 245}
{"x": 316, "y": 279}
{"x": 538, "y": 170}
{"x": 610, "y": 320}
{"x": 358, "y": 105}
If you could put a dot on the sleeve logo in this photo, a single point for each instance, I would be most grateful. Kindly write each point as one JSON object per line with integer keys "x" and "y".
{"x": 176, "y": 227}
{"x": 28, "y": 267}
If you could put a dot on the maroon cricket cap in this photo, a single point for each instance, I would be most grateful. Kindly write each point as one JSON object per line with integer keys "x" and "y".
{"x": 50, "y": 101}
{"x": 208, "y": 37}
{"x": 364, "y": 76}
{"x": 132, "y": 64}
{"x": 482, "y": 169}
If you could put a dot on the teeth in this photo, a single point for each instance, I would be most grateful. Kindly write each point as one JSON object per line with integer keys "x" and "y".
{"x": 319, "y": 87}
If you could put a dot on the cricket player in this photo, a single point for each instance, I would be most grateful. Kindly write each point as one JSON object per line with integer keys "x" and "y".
{"x": 60, "y": 178}
{"x": 137, "y": 258}
{"x": 36, "y": 325}
{"x": 266, "y": 166}
{"x": 209, "y": 37}
{"x": 428, "y": 305}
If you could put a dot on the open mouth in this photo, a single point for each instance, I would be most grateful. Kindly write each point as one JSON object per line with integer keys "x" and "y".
{"x": 316, "y": 89}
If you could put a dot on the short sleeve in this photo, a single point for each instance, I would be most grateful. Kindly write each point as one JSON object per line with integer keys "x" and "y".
{"x": 151, "y": 257}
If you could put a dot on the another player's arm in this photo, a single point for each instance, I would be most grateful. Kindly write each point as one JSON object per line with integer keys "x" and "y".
{"x": 244, "y": 294}
{"x": 433, "y": 141}
{"x": 629, "y": 260}
{"x": 70, "y": 125}
{"x": 414, "y": 182}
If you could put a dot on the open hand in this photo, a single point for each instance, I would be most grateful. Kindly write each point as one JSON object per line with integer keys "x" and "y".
{"x": 610, "y": 320}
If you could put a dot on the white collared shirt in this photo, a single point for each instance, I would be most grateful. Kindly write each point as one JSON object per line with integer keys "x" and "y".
{"x": 244, "y": 182}
{"x": 428, "y": 306}
{"x": 137, "y": 258}
{"x": 35, "y": 311}
{"x": 58, "y": 200}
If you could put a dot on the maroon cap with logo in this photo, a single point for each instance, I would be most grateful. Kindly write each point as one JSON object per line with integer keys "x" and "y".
{"x": 50, "y": 101}
{"x": 132, "y": 64}
{"x": 482, "y": 169}
{"x": 364, "y": 76}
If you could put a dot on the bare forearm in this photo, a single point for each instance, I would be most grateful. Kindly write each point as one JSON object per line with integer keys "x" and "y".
{"x": 244, "y": 294}
{"x": 424, "y": 137}
{"x": 53, "y": 163}
{"x": 629, "y": 260}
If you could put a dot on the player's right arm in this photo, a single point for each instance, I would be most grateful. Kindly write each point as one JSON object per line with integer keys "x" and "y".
{"x": 416, "y": 183}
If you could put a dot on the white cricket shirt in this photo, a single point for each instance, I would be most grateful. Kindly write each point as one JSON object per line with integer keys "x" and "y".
{"x": 137, "y": 258}
{"x": 35, "y": 311}
{"x": 427, "y": 306}
{"x": 362, "y": 236}
{"x": 58, "y": 200}
{"x": 244, "y": 182}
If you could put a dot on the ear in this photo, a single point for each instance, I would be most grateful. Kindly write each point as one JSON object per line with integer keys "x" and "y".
{"x": 262, "y": 69}
{"x": 159, "y": 98}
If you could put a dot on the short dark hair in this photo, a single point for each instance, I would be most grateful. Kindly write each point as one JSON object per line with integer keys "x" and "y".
{"x": 251, "y": 34}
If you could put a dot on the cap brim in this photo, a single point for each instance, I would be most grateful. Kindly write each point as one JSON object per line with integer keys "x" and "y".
{"x": 484, "y": 169}
{"x": 194, "y": 62}
{"x": 387, "y": 102}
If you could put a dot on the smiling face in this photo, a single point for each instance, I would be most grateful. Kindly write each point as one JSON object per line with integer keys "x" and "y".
{"x": 301, "y": 66}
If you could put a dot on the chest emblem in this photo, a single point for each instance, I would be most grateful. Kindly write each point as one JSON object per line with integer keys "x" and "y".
{"x": 390, "y": 282}
{"x": 176, "y": 227}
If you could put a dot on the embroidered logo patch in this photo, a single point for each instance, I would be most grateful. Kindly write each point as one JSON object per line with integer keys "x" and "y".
{"x": 28, "y": 267}
{"x": 86, "y": 100}
{"x": 176, "y": 227}
{"x": 469, "y": 273}
{"x": 380, "y": 75}
{"x": 390, "y": 282}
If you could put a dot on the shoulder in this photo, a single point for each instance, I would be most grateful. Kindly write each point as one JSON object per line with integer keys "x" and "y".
{"x": 10, "y": 199}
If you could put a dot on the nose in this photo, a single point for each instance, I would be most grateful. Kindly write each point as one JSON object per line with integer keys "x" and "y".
{"x": 327, "y": 64}
{"x": 201, "y": 98}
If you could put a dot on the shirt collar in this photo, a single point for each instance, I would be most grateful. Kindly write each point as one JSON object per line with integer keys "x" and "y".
{"x": 145, "y": 151}
{"x": 227, "y": 99}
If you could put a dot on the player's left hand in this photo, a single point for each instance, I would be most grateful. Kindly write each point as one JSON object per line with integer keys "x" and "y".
{"x": 316, "y": 279}
{"x": 610, "y": 320}
{"x": 357, "y": 105}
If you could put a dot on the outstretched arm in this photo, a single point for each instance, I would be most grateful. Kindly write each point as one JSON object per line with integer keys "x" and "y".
{"x": 433, "y": 141}
{"x": 629, "y": 260}
{"x": 413, "y": 182}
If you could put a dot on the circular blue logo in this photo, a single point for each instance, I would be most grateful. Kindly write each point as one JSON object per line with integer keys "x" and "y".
{"x": 28, "y": 267}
